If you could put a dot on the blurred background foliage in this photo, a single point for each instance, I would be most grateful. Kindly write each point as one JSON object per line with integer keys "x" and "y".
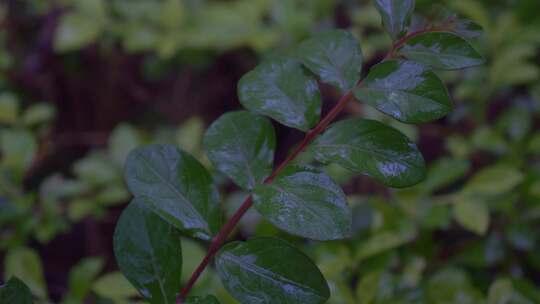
{"x": 84, "y": 81}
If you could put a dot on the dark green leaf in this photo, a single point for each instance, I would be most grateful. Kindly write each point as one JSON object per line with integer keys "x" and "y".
{"x": 242, "y": 145}
{"x": 15, "y": 291}
{"x": 335, "y": 56}
{"x": 373, "y": 148}
{"x": 396, "y": 15}
{"x": 467, "y": 28}
{"x": 281, "y": 89}
{"x": 148, "y": 252}
{"x": 176, "y": 186}
{"x": 270, "y": 271}
{"x": 441, "y": 50}
{"x": 202, "y": 300}
{"x": 405, "y": 90}
{"x": 306, "y": 202}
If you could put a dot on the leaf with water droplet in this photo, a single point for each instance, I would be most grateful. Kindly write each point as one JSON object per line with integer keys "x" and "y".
{"x": 268, "y": 271}
{"x": 373, "y": 148}
{"x": 148, "y": 252}
{"x": 335, "y": 56}
{"x": 408, "y": 91}
{"x": 396, "y": 15}
{"x": 306, "y": 202}
{"x": 175, "y": 186}
{"x": 242, "y": 145}
{"x": 441, "y": 50}
{"x": 281, "y": 89}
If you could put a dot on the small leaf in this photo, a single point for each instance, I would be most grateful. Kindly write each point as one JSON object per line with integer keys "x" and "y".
{"x": 242, "y": 145}
{"x": 123, "y": 139}
{"x": 405, "y": 90}
{"x": 176, "y": 186}
{"x": 25, "y": 263}
{"x": 494, "y": 180}
{"x": 441, "y": 50}
{"x": 281, "y": 89}
{"x": 305, "y": 202}
{"x": 200, "y": 300}
{"x": 335, "y": 56}
{"x": 396, "y": 15}
{"x": 38, "y": 113}
{"x": 383, "y": 241}
{"x": 15, "y": 291}
{"x": 81, "y": 278}
{"x": 472, "y": 214}
{"x": 452, "y": 286}
{"x": 148, "y": 252}
{"x": 9, "y": 108}
{"x": 116, "y": 287}
{"x": 269, "y": 270}
{"x": 467, "y": 28}
{"x": 444, "y": 172}
{"x": 372, "y": 148}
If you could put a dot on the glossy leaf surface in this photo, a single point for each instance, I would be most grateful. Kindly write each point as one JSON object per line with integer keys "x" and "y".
{"x": 281, "y": 89}
{"x": 441, "y": 50}
{"x": 334, "y": 56}
{"x": 270, "y": 271}
{"x": 405, "y": 90}
{"x": 202, "y": 300}
{"x": 373, "y": 148}
{"x": 176, "y": 186}
{"x": 306, "y": 202}
{"x": 148, "y": 252}
{"x": 242, "y": 145}
{"x": 15, "y": 291}
{"x": 396, "y": 15}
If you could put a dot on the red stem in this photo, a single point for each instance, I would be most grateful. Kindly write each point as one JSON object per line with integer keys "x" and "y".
{"x": 310, "y": 136}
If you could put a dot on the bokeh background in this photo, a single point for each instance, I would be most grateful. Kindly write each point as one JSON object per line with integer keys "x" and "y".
{"x": 84, "y": 81}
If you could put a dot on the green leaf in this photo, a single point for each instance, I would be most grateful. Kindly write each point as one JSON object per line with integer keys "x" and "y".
{"x": 467, "y": 28}
{"x": 81, "y": 278}
{"x": 396, "y": 15}
{"x": 269, "y": 270}
{"x": 335, "y": 56}
{"x": 306, "y": 202}
{"x": 18, "y": 149}
{"x": 116, "y": 287}
{"x": 148, "y": 252}
{"x": 242, "y": 145}
{"x": 452, "y": 286}
{"x": 176, "y": 186}
{"x": 370, "y": 147}
{"x": 200, "y": 300}
{"x": 15, "y": 291}
{"x": 385, "y": 240}
{"x": 38, "y": 113}
{"x": 494, "y": 180}
{"x": 123, "y": 139}
{"x": 444, "y": 172}
{"x": 405, "y": 90}
{"x": 441, "y": 50}
{"x": 281, "y": 89}
{"x": 25, "y": 263}
{"x": 472, "y": 214}
{"x": 9, "y": 108}
{"x": 502, "y": 291}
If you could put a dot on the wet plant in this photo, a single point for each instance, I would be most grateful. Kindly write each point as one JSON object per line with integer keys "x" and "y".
{"x": 174, "y": 194}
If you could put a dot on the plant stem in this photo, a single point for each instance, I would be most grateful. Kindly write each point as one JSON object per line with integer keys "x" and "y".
{"x": 233, "y": 221}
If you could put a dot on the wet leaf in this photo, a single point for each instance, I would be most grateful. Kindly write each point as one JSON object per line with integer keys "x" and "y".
{"x": 281, "y": 89}
{"x": 334, "y": 56}
{"x": 405, "y": 90}
{"x": 148, "y": 252}
{"x": 441, "y": 50}
{"x": 269, "y": 270}
{"x": 372, "y": 148}
{"x": 15, "y": 291}
{"x": 396, "y": 15}
{"x": 175, "y": 186}
{"x": 306, "y": 202}
{"x": 242, "y": 145}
